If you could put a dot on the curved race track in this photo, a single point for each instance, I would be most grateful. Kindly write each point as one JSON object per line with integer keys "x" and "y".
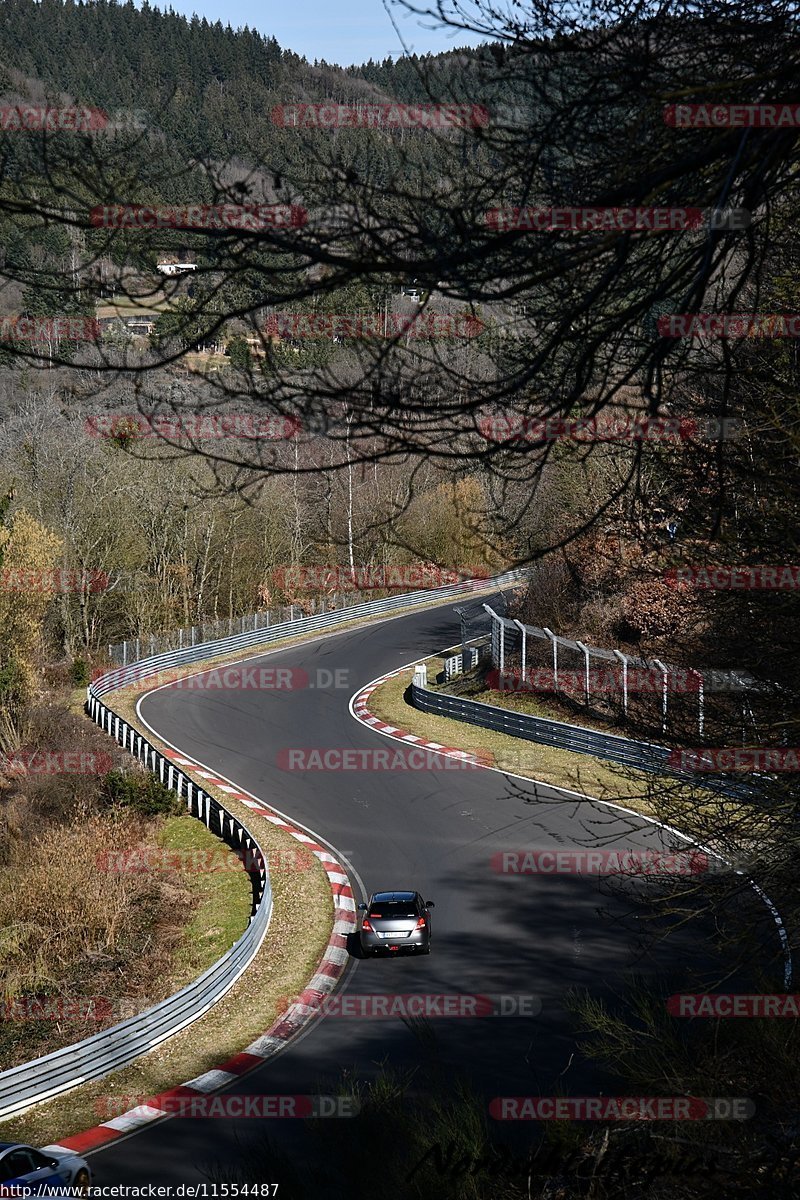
{"x": 433, "y": 830}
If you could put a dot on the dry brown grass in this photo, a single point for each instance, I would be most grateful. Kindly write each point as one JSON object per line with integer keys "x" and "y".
{"x": 71, "y": 931}
{"x": 56, "y": 907}
{"x": 298, "y": 934}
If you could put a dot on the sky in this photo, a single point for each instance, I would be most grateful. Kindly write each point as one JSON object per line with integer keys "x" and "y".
{"x": 345, "y": 32}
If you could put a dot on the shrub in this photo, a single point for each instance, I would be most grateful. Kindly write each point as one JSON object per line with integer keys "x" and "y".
{"x": 140, "y": 792}
{"x": 79, "y": 673}
{"x": 14, "y": 687}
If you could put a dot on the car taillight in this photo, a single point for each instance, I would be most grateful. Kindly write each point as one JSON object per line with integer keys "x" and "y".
{"x": 421, "y": 923}
{"x": 366, "y": 925}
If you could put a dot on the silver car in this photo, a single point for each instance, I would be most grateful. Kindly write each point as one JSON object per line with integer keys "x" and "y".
{"x": 395, "y": 921}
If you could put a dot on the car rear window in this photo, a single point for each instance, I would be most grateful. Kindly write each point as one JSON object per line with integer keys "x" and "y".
{"x": 393, "y": 908}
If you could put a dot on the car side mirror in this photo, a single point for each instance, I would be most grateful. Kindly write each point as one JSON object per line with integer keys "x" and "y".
{"x": 362, "y": 908}
{"x": 429, "y": 904}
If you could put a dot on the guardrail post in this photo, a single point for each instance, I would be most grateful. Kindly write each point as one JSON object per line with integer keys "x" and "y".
{"x": 664, "y": 673}
{"x": 554, "y": 641}
{"x": 623, "y": 658}
{"x": 497, "y": 624}
{"x": 586, "y": 652}
{"x": 521, "y": 627}
{"x": 420, "y": 675}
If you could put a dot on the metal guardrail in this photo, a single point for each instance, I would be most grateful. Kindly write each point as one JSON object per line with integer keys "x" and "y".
{"x": 209, "y": 631}
{"x": 96, "y": 1056}
{"x": 644, "y": 756}
{"x": 476, "y": 654}
{"x": 123, "y": 676}
{"x": 201, "y": 635}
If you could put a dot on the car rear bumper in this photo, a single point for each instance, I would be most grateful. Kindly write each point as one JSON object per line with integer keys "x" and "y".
{"x": 417, "y": 940}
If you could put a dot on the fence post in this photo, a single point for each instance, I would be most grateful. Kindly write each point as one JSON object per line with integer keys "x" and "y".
{"x": 524, "y": 631}
{"x": 664, "y": 673}
{"x": 585, "y": 650}
{"x": 497, "y": 624}
{"x": 701, "y": 715}
{"x": 180, "y": 639}
{"x": 554, "y": 641}
{"x": 124, "y": 654}
{"x": 623, "y": 658}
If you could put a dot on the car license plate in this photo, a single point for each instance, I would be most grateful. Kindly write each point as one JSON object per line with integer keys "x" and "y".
{"x": 394, "y": 936}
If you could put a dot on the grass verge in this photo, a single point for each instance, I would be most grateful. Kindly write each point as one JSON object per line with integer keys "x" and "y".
{"x": 222, "y": 900}
{"x": 593, "y": 777}
{"x": 299, "y": 931}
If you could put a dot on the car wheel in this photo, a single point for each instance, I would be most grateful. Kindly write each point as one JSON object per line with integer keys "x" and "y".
{"x": 81, "y": 1182}
{"x": 426, "y": 949}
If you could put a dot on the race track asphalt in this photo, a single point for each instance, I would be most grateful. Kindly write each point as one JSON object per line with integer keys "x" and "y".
{"x": 433, "y": 830}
